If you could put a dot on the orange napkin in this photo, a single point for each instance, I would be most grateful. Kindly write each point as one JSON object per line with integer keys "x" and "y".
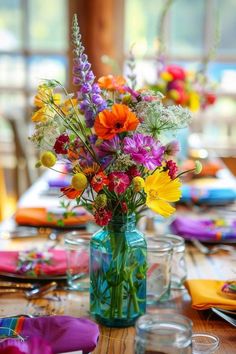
{"x": 40, "y": 217}
{"x": 206, "y": 294}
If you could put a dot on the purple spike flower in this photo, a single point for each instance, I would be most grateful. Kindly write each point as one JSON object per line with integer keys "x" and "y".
{"x": 88, "y": 92}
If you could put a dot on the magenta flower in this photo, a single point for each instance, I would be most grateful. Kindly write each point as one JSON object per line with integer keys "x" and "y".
{"x": 119, "y": 182}
{"x": 144, "y": 150}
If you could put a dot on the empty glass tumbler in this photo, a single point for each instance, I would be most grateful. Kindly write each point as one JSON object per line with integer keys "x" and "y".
{"x": 77, "y": 254}
{"x": 159, "y": 255}
{"x": 179, "y": 267}
{"x": 163, "y": 333}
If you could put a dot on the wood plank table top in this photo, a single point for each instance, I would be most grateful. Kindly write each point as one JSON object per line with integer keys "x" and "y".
{"x": 121, "y": 341}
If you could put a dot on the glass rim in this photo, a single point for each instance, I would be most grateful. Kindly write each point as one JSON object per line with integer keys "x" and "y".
{"x": 178, "y": 241}
{"x": 198, "y": 346}
{"x": 164, "y": 316}
{"x": 77, "y": 237}
{"x": 156, "y": 246}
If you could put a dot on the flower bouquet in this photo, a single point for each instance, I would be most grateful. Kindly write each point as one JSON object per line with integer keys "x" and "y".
{"x": 109, "y": 136}
{"x": 185, "y": 88}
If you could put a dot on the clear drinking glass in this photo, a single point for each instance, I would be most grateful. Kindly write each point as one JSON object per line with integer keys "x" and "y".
{"x": 179, "y": 267}
{"x": 163, "y": 333}
{"x": 159, "y": 255}
{"x": 77, "y": 253}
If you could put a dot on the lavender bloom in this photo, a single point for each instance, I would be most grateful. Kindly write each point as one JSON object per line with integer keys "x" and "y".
{"x": 144, "y": 150}
{"x": 84, "y": 79}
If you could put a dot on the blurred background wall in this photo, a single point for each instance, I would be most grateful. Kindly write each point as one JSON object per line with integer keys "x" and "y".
{"x": 35, "y": 44}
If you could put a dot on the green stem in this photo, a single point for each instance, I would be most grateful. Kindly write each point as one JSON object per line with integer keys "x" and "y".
{"x": 132, "y": 291}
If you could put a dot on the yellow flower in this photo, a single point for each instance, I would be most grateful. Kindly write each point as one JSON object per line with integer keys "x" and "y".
{"x": 161, "y": 190}
{"x": 194, "y": 101}
{"x": 42, "y": 114}
{"x": 68, "y": 105}
{"x": 42, "y": 100}
{"x": 46, "y": 95}
{"x": 166, "y": 76}
{"x": 138, "y": 183}
{"x": 79, "y": 181}
{"x": 48, "y": 159}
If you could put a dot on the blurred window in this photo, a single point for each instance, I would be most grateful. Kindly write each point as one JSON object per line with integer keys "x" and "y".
{"x": 33, "y": 46}
{"x": 189, "y": 33}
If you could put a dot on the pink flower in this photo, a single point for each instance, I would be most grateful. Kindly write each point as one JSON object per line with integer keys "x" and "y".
{"x": 119, "y": 182}
{"x": 144, "y": 150}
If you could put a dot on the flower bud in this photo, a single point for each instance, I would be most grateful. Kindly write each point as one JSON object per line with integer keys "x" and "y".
{"x": 198, "y": 167}
{"x": 38, "y": 164}
{"x": 138, "y": 183}
{"x": 48, "y": 159}
{"x": 79, "y": 181}
{"x": 100, "y": 201}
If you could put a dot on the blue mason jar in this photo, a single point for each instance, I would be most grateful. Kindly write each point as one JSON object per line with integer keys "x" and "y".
{"x": 118, "y": 264}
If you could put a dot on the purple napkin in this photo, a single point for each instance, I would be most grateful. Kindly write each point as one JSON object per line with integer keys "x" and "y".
{"x": 62, "y": 333}
{"x": 204, "y": 229}
{"x": 58, "y": 183}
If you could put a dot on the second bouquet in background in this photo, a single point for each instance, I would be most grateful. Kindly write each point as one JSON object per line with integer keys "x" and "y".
{"x": 109, "y": 136}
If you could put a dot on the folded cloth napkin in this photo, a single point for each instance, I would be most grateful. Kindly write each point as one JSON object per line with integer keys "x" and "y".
{"x": 58, "y": 182}
{"x": 52, "y": 263}
{"x": 62, "y": 333}
{"x": 204, "y": 229}
{"x": 43, "y": 217}
{"x": 208, "y": 195}
{"x": 207, "y": 293}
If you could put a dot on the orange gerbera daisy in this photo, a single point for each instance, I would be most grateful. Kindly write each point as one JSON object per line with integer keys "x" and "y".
{"x": 119, "y": 119}
{"x": 112, "y": 83}
{"x": 71, "y": 192}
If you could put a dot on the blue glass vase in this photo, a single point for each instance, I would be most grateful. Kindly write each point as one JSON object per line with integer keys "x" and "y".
{"x": 118, "y": 263}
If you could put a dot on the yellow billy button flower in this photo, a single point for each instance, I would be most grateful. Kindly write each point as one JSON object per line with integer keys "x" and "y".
{"x": 161, "y": 190}
{"x": 138, "y": 183}
{"x": 79, "y": 181}
{"x": 48, "y": 159}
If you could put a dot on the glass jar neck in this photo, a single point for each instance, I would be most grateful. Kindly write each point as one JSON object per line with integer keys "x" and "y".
{"x": 122, "y": 222}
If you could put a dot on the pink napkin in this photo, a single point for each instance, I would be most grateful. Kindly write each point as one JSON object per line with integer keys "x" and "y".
{"x": 57, "y": 265}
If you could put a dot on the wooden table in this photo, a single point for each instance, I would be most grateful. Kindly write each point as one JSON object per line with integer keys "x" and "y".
{"x": 121, "y": 341}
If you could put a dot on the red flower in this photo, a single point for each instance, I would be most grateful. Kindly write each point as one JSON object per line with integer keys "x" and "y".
{"x": 102, "y": 216}
{"x": 176, "y": 71}
{"x": 119, "y": 182}
{"x": 98, "y": 181}
{"x": 61, "y": 144}
{"x": 210, "y": 98}
{"x": 133, "y": 172}
{"x": 172, "y": 168}
{"x": 71, "y": 192}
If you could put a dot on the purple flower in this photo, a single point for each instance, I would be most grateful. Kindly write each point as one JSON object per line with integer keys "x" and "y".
{"x": 144, "y": 150}
{"x": 109, "y": 147}
{"x": 88, "y": 91}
